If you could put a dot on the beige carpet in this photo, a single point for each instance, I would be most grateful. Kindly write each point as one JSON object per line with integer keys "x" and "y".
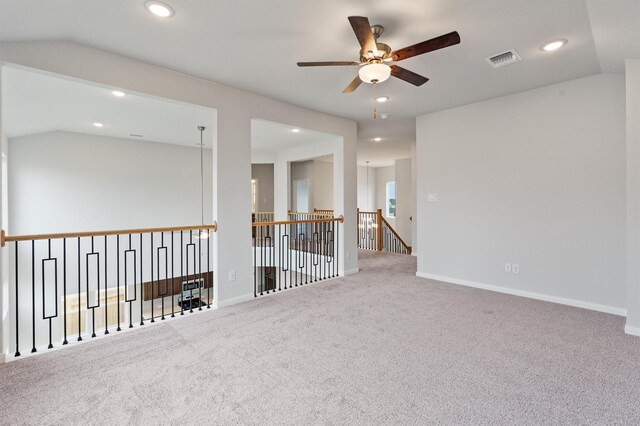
{"x": 379, "y": 347}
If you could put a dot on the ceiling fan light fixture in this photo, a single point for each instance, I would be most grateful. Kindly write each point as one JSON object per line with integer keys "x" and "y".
{"x": 374, "y": 73}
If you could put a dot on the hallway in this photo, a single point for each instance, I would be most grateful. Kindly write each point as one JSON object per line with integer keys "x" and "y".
{"x": 378, "y": 347}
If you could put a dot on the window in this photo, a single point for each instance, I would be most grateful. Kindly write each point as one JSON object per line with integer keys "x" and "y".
{"x": 391, "y": 200}
{"x": 254, "y": 195}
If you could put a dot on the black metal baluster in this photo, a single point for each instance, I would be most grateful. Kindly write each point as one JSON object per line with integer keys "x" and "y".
{"x": 106, "y": 288}
{"x": 118, "y": 278}
{"x": 17, "y": 306}
{"x": 200, "y": 269}
{"x": 79, "y": 292}
{"x": 255, "y": 260}
{"x": 166, "y": 272}
{"x": 333, "y": 249}
{"x": 182, "y": 272}
{"x": 267, "y": 269}
{"x": 64, "y": 290}
{"x": 126, "y": 282}
{"x": 305, "y": 253}
{"x": 173, "y": 275}
{"x": 194, "y": 270}
{"x": 141, "y": 284}
{"x": 338, "y": 249}
{"x": 325, "y": 252}
{"x": 261, "y": 269}
{"x": 44, "y": 313}
{"x": 33, "y": 295}
{"x": 93, "y": 309}
{"x": 281, "y": 270}
{"x": 290, "y": 255}
{"x": 151, "y": 284}
{"x": 209, "y": 274}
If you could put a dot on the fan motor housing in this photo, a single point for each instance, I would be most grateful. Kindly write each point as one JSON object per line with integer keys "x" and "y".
{"x": 383, "y": 52}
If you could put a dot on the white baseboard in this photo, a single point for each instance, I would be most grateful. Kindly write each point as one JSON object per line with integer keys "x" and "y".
{"x": 634, "y": 331}
{"x": 351, "y": 272}
{"x": 531, "y": 295}
{"x": 233, "y": 301}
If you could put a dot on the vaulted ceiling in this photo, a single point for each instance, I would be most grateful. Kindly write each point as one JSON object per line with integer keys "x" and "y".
{"x": 255, "y": 44}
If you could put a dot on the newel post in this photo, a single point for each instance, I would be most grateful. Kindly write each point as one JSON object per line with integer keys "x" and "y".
{"x": 379, "y": 230}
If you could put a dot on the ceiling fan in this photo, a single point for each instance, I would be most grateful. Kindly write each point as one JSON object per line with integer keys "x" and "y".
{"x": 375, "y": 57}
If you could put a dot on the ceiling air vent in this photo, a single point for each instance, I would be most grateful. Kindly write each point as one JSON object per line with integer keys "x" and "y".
{"x": 505, "y": 58}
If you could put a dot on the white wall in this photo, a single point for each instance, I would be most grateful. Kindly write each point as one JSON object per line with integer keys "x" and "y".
{"x": 322, "y": 185}
{"x": 4, "y": 255}
{"x": 633, "y": 196}
{"x": 414, "y": 209}
{"x": 384, "y": 175}
{"x": 404, "y": 196}
{"x": 90, "y": 183}
{"x": 320, "y": 176}
{"x": 536, "y": 178}
{"x": 264, "y": 174}
{"x": 232, "y": 143}
{"x": 366, "y": 194}
{"x": 302, "y": 170}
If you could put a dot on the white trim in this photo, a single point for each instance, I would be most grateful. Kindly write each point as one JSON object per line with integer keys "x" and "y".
{"x": 531, "y": 295}
{"x": 233, "y": 301}
{"x": 633, "y": 331}
{"x": 351, "y": 272}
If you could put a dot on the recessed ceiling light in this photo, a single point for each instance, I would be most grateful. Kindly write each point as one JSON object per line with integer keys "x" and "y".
{"x": 97, "y": 124}
{"x": 382, "y": 99}
{"x": 159, "y": 9}
{"x": 118, "y": 93}
{"x": 295, "y": 130}
{"x": 377, "y": 139}
{"x": 553, "y": 45}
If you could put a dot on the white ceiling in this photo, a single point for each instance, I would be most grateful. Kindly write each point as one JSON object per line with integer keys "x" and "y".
{"x": 255, "y": 44}
{"x": 269, "y": 137}
{"x": 36, "y": 103}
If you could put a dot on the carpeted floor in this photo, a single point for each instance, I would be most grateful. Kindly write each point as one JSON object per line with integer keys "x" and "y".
{"x": 379, "y": 347}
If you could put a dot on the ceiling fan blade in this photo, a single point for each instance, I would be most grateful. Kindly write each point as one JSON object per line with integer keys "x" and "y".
{"x": 361, "y": 27}
{"x": 327, "y": 64}
{"x": 353, "y": 85}
{"x": 408, "y": 76}
{"x": 426, "y": 46}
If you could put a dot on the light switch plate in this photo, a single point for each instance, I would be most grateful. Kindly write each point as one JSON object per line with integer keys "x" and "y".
{"x": 432, "y": 197}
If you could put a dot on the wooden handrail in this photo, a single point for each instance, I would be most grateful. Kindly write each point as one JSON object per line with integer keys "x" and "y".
{"x": 294, "y": 222}
{"x": 408, "y": 247}
{"x": 9, "y": 238}
{"x": 310, "y": 213}
{"x": 364, "y": 212}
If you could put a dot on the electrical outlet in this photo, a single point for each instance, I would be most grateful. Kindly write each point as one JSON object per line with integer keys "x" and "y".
{"x": 515, "y": 268}
{"x": 507, "y": 267}
{"x": 232, "y": 275}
